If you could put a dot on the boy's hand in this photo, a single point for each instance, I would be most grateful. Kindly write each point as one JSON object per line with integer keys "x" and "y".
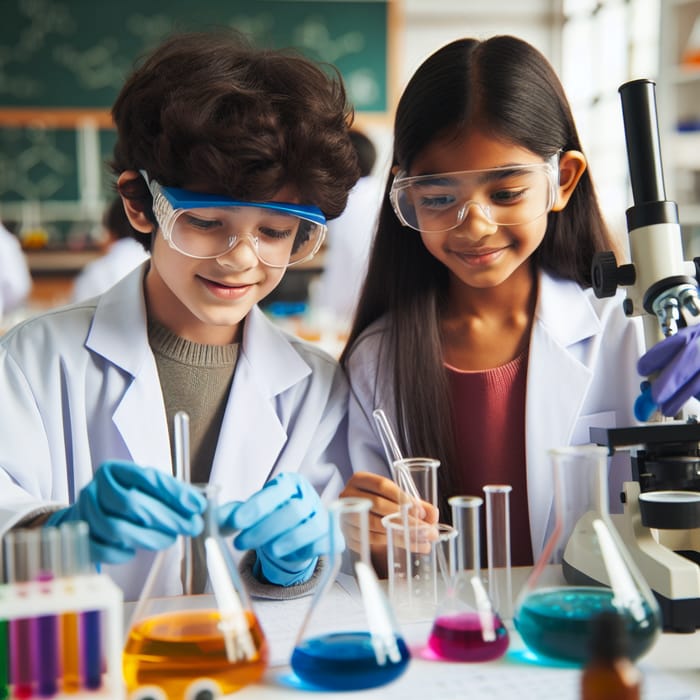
{"x": 286, "y": 524}
{"x": 128, "y": 507}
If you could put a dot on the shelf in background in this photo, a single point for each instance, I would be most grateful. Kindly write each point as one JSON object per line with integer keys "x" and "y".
{"x": 59, "y": 262}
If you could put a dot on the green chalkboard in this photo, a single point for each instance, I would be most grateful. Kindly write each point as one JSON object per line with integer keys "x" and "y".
{"x": 76, "y": 53}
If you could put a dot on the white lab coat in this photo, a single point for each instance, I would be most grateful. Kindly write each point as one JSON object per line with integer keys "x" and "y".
{"x": 79, "y": 386}
{"x": 98, "y": 276}
{"x": 581, "y": 373}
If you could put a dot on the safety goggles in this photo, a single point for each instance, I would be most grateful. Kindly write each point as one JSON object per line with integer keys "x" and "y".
{"x": 507, "y": 196}
{"x": 207, "y": 226}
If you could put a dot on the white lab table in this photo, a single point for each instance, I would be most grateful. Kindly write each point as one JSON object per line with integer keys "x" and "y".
{"x": 671, "y": 669}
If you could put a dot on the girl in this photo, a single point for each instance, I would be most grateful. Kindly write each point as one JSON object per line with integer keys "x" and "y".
{"x": 477, "y": 331}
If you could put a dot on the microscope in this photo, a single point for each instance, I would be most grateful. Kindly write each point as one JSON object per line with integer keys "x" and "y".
{"x": 660, "y": 522}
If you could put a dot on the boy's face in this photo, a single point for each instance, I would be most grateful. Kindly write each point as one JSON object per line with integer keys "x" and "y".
{"x": 206, "y": 300}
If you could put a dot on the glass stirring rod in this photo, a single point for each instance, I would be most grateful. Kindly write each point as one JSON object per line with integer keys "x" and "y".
{"x": 181, "y": 425}
{"x": 393, "y": 454}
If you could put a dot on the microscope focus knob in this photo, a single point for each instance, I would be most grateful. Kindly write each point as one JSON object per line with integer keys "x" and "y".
{"x": 606, "y": 276}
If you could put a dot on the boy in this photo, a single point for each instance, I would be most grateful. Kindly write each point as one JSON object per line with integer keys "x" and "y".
{"x": 230, "y": 159}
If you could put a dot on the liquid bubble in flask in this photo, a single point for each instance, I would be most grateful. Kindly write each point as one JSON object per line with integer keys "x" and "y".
{"x": 353, "y": 645}
{"x": 466, "y": 627}
{"x": 201, "y": 645}
{"x": 555, "y": 609}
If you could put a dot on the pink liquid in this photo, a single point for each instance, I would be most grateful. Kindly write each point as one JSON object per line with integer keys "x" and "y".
{"x": 460, "y": 638}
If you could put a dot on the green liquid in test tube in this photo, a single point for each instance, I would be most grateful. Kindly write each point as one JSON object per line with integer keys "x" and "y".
{"x": 4, "y": 662}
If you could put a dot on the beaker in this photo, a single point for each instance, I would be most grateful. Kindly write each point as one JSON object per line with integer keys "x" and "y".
{"x": 421, "y": 473}
{"x": 200, "y": 646}
{"x": 467, "y": 627}
{"x": 349, "y": 644}
{"x": 584, "y": 568}
{"x": 415, "y": 580}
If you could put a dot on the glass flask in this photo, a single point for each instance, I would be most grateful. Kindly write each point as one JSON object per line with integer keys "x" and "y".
{"x": 200, "y": 645}
{"x": 466, "y": 626}
{"x": 584, "y": 568}
{"x": 349, "y": 643}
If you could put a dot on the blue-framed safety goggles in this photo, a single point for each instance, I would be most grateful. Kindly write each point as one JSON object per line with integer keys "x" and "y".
{"x": 207, "y": 226}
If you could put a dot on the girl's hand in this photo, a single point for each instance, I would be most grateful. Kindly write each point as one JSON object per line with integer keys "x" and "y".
{"x": 386, "y": 498}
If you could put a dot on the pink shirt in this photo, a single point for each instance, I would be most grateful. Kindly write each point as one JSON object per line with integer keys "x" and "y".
{"x": 489, "y": 416}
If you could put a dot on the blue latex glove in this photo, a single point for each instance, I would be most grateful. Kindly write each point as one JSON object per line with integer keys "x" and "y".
{"x": 287, "y": 526}
{"x": 128, "y": 507}
{"x": 673, "y": 366}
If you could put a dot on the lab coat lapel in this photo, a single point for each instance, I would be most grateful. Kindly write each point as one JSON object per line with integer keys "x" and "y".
{"x": 564, "y": 319}
{"x": 253, "y": 434}
{"x": 119, "y": 334}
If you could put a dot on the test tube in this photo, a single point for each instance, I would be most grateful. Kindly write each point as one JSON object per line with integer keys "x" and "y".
{"x": 498, "y": 547}
{"x": 21, "y": 566}
{"x": 90, "y": 621}
{"x": 72, "y": 553}
{"x": 465, "y": 518}
{"x": 47, "y": 626}
{"x": 181, "y": 440}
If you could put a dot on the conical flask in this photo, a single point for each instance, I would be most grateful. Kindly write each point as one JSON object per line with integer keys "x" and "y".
{"x": 349, "y": 642}
{"x": 466, "y": 626}
{"x": 584, "y": 568}
{"x": 200, "y": 645}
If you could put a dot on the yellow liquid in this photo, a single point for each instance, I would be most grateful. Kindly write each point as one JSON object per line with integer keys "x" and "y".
{"x": 173, "y": 650}
{"x": 71, "y": 653}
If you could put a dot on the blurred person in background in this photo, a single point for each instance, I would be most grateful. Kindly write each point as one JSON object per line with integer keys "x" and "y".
{"x": 15, "y": 280}
{"x": 123, "y": 252}
{"x": 349, "y": 238}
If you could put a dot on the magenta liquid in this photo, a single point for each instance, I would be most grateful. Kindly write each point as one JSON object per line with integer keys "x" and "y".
{"x": 460, "y": 637}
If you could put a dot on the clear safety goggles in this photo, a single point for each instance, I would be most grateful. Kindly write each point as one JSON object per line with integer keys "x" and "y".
{"x": 207, "y": 226}
{"x": 508, "y": 196}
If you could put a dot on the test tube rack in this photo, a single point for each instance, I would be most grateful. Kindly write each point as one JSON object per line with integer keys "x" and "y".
{"x": 83, "y": 593}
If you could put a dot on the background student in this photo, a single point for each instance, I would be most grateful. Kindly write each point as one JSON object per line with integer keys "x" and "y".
{"x": 122, "y": 253}
{"x": 349, "y": 239}
{"x": 15, "y": 280}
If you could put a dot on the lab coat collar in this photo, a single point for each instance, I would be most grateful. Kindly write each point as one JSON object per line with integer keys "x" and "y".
{"x": 119, "y": 333}
{"x": 564, "y": 318}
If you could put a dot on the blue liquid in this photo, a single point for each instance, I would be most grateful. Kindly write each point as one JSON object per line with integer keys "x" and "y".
{"x": 555, "y": 622}
{"x": 345, "y": 661}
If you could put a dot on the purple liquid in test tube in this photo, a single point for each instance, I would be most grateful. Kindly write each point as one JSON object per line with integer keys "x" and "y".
{"x": 22, "y": 566}
{"x": 47, "y": 643}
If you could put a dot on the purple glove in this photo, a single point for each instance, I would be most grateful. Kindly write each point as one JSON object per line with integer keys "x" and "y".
{"x": 673, "y": 368}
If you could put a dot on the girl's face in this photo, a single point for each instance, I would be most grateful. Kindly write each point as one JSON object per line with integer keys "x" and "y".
{"x": 479, "y": 252}
{"x": 206, "y": 300}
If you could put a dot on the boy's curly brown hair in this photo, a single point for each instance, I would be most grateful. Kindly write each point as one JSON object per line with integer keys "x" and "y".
{"x": 209, "y": 110}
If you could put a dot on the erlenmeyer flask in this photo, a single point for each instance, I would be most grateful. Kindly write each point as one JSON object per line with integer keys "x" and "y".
{"x": 200, "y": 645}
{"x": 555, "y": 609}
{"x": 349, "y": 644}
{"x": 466, "y": 626}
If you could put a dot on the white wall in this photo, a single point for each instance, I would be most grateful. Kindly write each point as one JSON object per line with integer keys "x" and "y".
{"x": 423, "y": 26}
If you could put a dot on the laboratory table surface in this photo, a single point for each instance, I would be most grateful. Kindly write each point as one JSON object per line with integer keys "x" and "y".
{"x": 671, "y": 669}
